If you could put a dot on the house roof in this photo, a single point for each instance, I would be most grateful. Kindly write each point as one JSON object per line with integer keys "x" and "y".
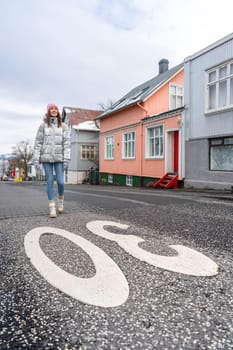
{"x": 7, "y": 156}
{"x": 87, "y": 126}
{"x": 209, "y": 48}
{"x": 141, "y": 92}
{"x": 76, "y": 116}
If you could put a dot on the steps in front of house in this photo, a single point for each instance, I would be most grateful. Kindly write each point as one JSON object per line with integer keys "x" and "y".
{"x": 168, "y": 180}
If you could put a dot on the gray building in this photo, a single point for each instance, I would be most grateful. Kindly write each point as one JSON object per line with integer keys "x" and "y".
{"x": 84, "y": 151}
{"x": 208, "y": 103}
{"x": 84, "y": 142}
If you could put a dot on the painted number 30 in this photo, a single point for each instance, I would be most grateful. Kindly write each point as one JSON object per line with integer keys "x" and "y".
{"x": 109, "y": 287}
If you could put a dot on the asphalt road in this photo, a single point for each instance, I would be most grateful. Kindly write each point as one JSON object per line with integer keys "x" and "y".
{"x": 103, "y": 274}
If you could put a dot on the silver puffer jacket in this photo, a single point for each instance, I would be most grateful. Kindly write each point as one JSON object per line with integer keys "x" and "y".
{"x": 52, "y": 144}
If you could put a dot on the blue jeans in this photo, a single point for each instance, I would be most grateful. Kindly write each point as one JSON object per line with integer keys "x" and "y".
{"x": 59, "y": 172}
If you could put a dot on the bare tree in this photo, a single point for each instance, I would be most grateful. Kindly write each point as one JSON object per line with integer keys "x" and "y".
{"x": 23, "y": 152}
{"x": 105, "y": 106}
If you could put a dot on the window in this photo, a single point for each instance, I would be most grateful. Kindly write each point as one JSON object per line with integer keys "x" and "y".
{"x": 155, "y": 142}
{"x": 88, "y": 152}
{"x": 138, "y": 93}
{"x": 129, "y": 145}
{"x": 176, "y": 96}
{"x": 221, "y": 154}
{"x": 129, "y": 180}
{"x": 220, "y": 87}
{"x": 109, "y": 147}
{"x": 110, "y": 178}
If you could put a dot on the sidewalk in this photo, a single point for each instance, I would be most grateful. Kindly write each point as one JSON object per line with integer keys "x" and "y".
{"x": 209, "y": 193}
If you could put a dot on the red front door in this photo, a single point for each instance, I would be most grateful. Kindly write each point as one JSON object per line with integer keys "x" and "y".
{"x": 176, "y": 151}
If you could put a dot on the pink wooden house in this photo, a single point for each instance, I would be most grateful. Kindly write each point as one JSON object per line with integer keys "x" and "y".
{"x": 141, "y": 135}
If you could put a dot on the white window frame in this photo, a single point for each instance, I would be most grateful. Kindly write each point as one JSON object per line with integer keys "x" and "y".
{"x": 216, "y": 83}
{"x": 179, "y": 93}
{"x": 109, "y": 147}
{"x": 91, "y": 149}
{"x": 220, "y": 154}
{"x": 110, "y": 178}
{"x": 129, "y": 145}
{"x": 151, "y": 145}
{"x": 129, "y": 180}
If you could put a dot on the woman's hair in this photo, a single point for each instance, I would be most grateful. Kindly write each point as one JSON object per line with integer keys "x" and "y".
{"x": 59, "y": 119}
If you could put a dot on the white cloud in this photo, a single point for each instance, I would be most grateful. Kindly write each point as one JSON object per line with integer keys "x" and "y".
{"x": 9, "y": 105}
{"x": 17, "y": 129}
{"x": 82, "y": 53}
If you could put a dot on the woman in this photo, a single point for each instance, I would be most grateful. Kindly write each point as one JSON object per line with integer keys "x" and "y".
{"x": 52, "y": 149}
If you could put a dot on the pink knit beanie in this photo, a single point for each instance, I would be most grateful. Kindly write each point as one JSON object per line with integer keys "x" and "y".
{"x": 50, "y": 105}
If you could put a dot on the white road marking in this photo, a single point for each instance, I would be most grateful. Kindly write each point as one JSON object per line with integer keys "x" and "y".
{"x": 108, "y": 288}
{"x": 188, "y": 261}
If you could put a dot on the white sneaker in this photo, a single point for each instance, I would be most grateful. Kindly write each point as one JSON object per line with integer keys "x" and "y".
{"x": 60, "y": 205}
{"x": 52, "y": 208}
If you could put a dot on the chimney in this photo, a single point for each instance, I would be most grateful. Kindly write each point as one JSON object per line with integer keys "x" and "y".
{"x": 163, "y": 65}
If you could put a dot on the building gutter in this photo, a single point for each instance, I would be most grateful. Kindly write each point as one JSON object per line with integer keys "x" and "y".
{"x": 142, "y": 140}
{"x": 143, "y": 108}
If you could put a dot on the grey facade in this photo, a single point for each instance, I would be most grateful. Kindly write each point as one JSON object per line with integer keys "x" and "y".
{"x": 209, "y": 116}
{"x": 84, "y": 152}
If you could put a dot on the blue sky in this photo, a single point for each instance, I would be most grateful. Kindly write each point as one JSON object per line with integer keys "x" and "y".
{"x": 82, "y": 53}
